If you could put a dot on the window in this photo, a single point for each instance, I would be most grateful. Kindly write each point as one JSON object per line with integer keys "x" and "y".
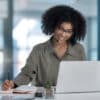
{"x": 25, "y": 38}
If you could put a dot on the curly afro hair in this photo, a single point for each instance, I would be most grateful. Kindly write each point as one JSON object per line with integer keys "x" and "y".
{"x": 56, "y": 15}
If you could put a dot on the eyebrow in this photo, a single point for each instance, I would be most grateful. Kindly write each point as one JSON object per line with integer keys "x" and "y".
{"x": 66, "y": 29}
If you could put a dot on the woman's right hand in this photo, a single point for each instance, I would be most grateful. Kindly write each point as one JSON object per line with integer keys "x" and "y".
{"x": 7, "y": 84}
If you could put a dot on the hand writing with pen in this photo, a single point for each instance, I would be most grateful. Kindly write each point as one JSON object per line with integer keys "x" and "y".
{"x": 8, "y": 84}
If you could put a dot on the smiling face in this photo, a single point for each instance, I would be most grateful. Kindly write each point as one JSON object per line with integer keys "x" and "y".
{"x": 63, "y": 32}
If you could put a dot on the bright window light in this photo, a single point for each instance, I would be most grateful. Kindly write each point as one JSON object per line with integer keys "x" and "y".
{"x": 1, "y": 58}
{"x": 21, "y": 31}
{"x": 33, "y": 40}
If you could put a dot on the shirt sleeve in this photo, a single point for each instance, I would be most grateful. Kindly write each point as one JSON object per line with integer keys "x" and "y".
{"x": 29, "y": 71}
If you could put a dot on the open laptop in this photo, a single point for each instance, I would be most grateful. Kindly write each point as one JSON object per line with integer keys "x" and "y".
{"x": 78, "y": 77}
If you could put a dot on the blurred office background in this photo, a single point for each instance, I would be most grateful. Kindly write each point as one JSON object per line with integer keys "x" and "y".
{"x": 20, "y": 30}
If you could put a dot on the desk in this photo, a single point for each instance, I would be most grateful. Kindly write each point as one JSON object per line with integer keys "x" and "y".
{"x": 81, "y": 96}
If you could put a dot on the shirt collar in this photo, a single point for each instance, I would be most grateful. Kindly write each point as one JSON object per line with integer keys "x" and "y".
{"x": 70, "y": 51}
{"x": 50, "y": 46}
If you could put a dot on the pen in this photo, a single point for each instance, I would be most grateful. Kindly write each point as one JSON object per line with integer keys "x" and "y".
{"x": 8, "y": 78}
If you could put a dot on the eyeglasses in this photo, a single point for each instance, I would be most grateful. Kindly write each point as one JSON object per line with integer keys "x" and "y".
{"x": 66, "y": 31}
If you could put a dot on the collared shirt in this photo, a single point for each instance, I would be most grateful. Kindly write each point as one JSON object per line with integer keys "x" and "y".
{"x": 43, "y": 65}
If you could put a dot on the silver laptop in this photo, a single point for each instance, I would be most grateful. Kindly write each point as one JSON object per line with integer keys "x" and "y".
{"x": 78, "y": 76}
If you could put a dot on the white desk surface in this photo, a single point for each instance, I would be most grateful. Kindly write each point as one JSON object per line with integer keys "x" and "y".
{"x": 80, "y": 96}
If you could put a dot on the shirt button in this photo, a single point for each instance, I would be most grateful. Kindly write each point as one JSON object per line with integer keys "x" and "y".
{"x": 33, "y": 72}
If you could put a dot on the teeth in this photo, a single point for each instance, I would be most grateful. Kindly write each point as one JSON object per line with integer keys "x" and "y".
{"x": 60, "y": 40}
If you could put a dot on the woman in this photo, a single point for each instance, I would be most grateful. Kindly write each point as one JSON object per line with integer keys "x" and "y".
{"x": 66, "y": 27}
